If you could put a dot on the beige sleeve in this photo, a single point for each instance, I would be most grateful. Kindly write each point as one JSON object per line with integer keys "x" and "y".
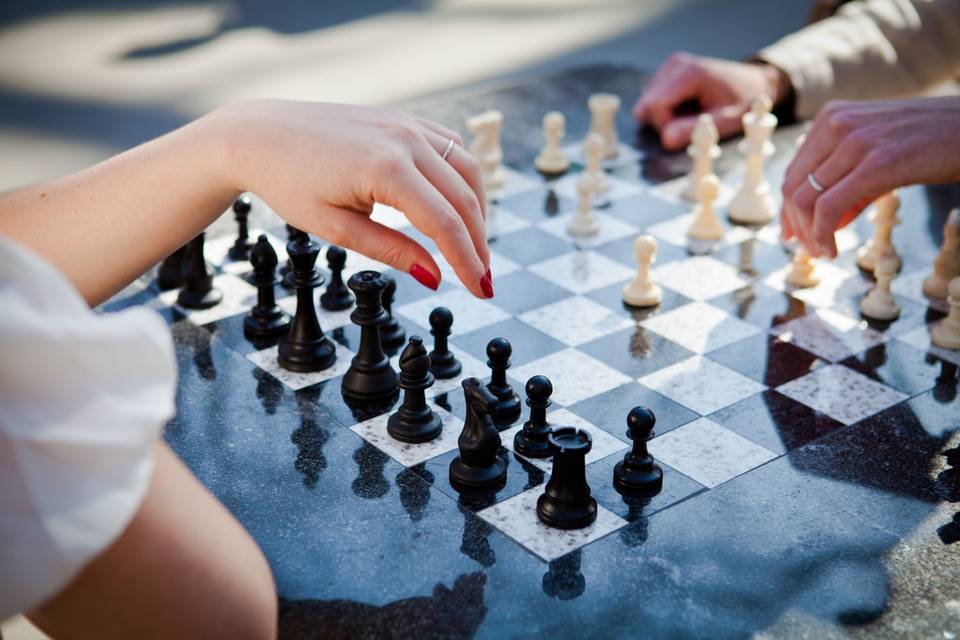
{"x": 871, "y": 49}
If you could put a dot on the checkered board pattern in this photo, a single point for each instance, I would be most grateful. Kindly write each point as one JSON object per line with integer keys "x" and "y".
{"x": 738, "y": 367}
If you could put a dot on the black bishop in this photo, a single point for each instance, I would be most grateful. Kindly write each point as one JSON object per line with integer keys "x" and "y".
{"x": 414, "y": 421}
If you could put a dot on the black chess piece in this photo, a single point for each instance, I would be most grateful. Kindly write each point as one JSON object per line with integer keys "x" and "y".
{"x": 508, "y": 403}
{"x": 370, "y": 377}
{"x": 241, "y": 212}
{"x": 305, "y": 348}
{"x": 479, "y": 465}
{"x": 337, "y": 297}
{"x": 392, "y": 335}
{"x": 414, "y": 421}
{"x": 638, "y": 473}
{"x": 266, "y": 319}
{"x": 286, "y": 271}
{"x": 443, "y": 364}
{"x": 198, "y": 291}
{"x": 169, "y": 275}
{"x": 531, "y": 441}
{"x": 566, "y": 502}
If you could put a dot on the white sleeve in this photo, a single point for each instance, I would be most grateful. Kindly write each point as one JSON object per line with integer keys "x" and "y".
{"x": 83, "y": 397}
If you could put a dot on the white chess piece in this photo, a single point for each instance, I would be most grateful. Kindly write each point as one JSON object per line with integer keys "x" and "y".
{"x": 884, "y": 218}
{"x": 802, "y": 271}
{"x": 946, "y": 266}
{"x": 879, "y": 303}
{"x": 603, "y": 111}
{"x": 584, "y": 222}
{"x": 593, "y": 171}
{"x": 704, "y": 150}
{"x": 642, "y": 291}
{"x": 552, "y": 161}
{"x": 753, "y": 203}
{"x": 706, "y": 225}
{"x": 946, "y": 333}
{"x": 487, "y": 149}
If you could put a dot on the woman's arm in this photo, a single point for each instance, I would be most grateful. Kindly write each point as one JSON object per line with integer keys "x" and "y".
{"x": 320, "y": 166}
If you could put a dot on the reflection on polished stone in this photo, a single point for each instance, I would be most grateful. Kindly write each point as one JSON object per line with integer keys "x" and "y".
{"x": 414, "y": 496}
{"x": 371, "y": 483}
{"x": 474, "y": 543}
{"x": 563, "y": 579}
{"x": 309, "y": 438}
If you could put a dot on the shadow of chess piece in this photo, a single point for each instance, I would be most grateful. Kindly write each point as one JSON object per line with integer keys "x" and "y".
{"x": 309, "y": 438}
{"x": 638, "y": 474}
{"x": 947, "y": 484}
{"x": 337, "y": 297}
{"x": 198, "y": 291}
{"x": 414, "y": 421}
{"x": 266, "y": 319}
{"x": 950, "y": 532}
{"x": 475, "y": 543}
{"x": 508, "y": 403}
{"x": 169, "y": 274}
{"x": 392, "y": 335}
{"x": 531, "y": 440}
{"x": 479, "y": 465}
{"x": 634, "y": 534}
{"x": 566, "y": 502}
{"x": 241, "y": 213}
{"x": 563, "y": 580}
{"x": 269, "y": 390}
{"x": 371, "y": 483}
{"x": 370, "y": 376}
{"x": 443, "y": 364}
{"x": 414, "y": 486}
{"x": 305, "y": 348}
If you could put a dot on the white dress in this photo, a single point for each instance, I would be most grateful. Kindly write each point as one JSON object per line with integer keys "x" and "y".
{"x": 83, "y": 397}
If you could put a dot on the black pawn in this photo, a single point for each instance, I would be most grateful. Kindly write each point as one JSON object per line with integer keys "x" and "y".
{"x": 566, "y": 502}
{"x": 266, "y": 319}
{"x": 443, "y": 364}
{"x": 414, "y": 421}
{"x": 169, "y": 275}
{"x": 508, "y": 405}
{"x": 370, "y": 376}
{"x": 479, "y": 465}
{"x": 241, "y": 211}
{"x": 532, "y": 440}
{"x": 638, "y": 474}
{"x": 305, "y": 348}
{"x": 392, "y": 335}
{"x": 337, "y": 297}
{"x": 198, "y": 291}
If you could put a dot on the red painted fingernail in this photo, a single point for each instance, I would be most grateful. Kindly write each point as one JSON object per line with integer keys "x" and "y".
{"x": 486, "y": 284}
{"x": 424, "y": 277}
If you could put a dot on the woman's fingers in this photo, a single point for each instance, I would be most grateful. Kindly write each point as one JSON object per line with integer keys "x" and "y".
{"x": 442, "y": 131}
{"x": 463, "y": 163}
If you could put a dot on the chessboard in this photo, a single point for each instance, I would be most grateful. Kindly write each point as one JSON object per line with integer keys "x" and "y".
{"x": 800, "y": 442}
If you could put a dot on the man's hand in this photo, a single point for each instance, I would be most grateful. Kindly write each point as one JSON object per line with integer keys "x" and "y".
{"x": 723, "y": 88}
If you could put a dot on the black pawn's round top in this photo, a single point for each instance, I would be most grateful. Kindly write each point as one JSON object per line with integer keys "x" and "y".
{"x": 337, "y": 297}
{"x": 441, "y": 319}
{"x": 499, "y": 351}
{"x": 639, "y": 474}
{"x": 531, "y": 441}
{"x": 640, "y": 423}
{"x": 242, "y": 205}
{"x": 539, "y": 389}
{"x": 415, "y": 421}
{"x": 508, "y": 408}
{"x": 566, "y": 502}
{"x": 443, "y": 364}
{"x": 266, "y": 318}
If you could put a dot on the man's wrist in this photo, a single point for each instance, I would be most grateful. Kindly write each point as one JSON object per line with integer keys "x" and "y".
{"x": 779, "y": 88}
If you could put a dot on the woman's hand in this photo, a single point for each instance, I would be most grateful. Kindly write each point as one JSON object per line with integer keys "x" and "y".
{"x": 857, "y": 151}
{"x": 322, "y": 167}
{"x": 723, "y": 88}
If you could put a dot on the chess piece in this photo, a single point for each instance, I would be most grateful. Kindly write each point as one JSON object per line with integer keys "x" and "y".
{"x": 552, "y": 161}
{"x": 479, "y": 465}
{"x": 266, "y": 319}
{"x": 884, "y": 218}
{"x": 946, "y": 333}
{"x": 603, "y": 121}
{"x": 946, "y": 266}
{"x": 370, "y": 376}
{"x": 584, "y": 222}
{"x": 566, "y": 502}
{"x": 704, "y": 150}
{"x": 593, "y": 170}
{"x": 443, "y": 364}
{"x": 169, "y": 275}
{"x": 802, "y": 271}
{"x": 531, "y": 441}
{"x": 414, "y": 421}
{"x": 392, "y": 335}
{"x": 305, "y": 348}
{"x": 508, "y": 403}
{"x": 879, "y": 303}
{"x": 753, "y": 203}
{"x": 241, "y": 212}
{"x": 198, "y": 291}
{"x": 706, "y": 225}
{"x": 638, "y": 474}
{"x": 642, "y": 291}
{"x": 487, "y": 149}
{"x": 286, "y": 277}
{"x": 337, "y": 297}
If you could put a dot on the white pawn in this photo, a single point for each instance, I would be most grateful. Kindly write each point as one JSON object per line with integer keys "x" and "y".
{"x": 584, "y": 222}
{"x": 946, "y": 333}
{"x": 603, "y": 111}
{"x": 947, "y": 264}
{"x": 879, "y": 303}
{"x": 487, "y": 148}
{"x": 641, "y": 291}
{"x": 593, "y": 172}
{"x": 552, "y": 161}
{"x": 802, "y": 272}
{"x": 753, "y": 203}
{"x": 884, "y": 218}
{"x": 704, "y": 150}
{"x": 706, "y": 225}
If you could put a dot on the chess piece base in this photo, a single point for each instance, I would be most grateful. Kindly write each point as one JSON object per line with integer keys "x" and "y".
{"x": 579, "y": 228}
{"x": 946, "y": 336}
{"x": 392, "y": 335}
{"x": 507, "y": 411}
{"x": 272, "y": 323}
{"x": 566, "y": 515}
{"x": 376, "y": 384}
{"x": 649, "y": 296}
{"x": 935, "y": 286}
{"x": 445, "y": 367}
{"x": 240, "y": 251}
{"x": 879, "y": 307}
{"x": 464, "y": 476}
{"x": 205, "y": 300}
{"x": 706, "y": 230}
{"x": 641, "y": 480}
{"x": 802, "y": 277}
{"x": 552, "y": 167}
{"x": 168, "y": 278}
{"x": 755, "y": 206}
{"x": 336, "y": 301}
{"x": 531, "y": 447}
{"x": 306, "y": 357}
{"x": 415, "y": 429}
{"x": 868, "y": 254}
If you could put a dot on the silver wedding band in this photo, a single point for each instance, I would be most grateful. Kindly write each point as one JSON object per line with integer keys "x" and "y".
{"x": 448, "y": 149}
{"x": 819, "y": 188}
